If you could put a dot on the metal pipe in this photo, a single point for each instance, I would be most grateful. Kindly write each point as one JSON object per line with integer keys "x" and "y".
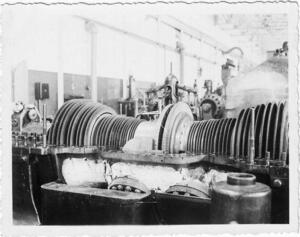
{"x": 44, "y": 125}
{"x": 233, "y": 48}
{"x": 181, "y": 57}
{"x": 136, "y": 107}
{"x": 268, "y": 158}
{"x": 121, "y": 108}
{"x": 33, "y": 199}
{"x": 25, "y": 139}
{"x": 283, "y": 158}
{"x": 146, "y": 40}
{"x": 195, "y": 34}
{"x": 185, "y": 31}
{"x": 34, "y": 140}
{"x": 252, "y": 137}
{"x": 91, "y": 28}
{"x": 94, "y": 64}
{"x": 144, "y": 99}
{"x": 60, "y": 71}
{"x": 159, "y": 106}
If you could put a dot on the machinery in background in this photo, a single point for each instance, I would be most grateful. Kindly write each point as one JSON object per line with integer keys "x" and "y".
{"x": 265, "y": 83}
{"x": 149, "y": 104}
{"x": 25, "y": 117}
{"x": 130, "y": 106}
{"x": 28, "y": 126}
{"x": 282, "y": 51}
{"x": 212, "y": 104}
{"x": 172, "y": 92}
{"x": 101, "y": 160}
{"x": 229, "y": 70}
{"x": 137, "y": 104}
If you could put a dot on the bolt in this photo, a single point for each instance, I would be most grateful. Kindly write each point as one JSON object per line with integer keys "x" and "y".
{"x": 25, "y": 140}
{"x": 267, "y": 158}
{"x": 128, "y": 189}
{"x": 277, "y": 183}
{"x": 34, "y": 140}
{"x": 120, "y": 187}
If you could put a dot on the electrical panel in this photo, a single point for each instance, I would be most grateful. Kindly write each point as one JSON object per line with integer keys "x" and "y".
{"x": 41, "y": 91}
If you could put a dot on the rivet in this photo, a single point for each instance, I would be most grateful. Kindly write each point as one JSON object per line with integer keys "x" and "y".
{"x": 277, "y": 183}
{"x": 120, "y": 187}
{"x": 128, "y": 189}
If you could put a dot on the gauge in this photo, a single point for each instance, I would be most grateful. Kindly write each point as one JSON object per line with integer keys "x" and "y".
{"x": 32, "y": 114}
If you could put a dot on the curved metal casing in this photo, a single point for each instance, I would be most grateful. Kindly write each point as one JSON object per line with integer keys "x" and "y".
{"x": 240, "y": 200}
{"x": 268, "y": 82}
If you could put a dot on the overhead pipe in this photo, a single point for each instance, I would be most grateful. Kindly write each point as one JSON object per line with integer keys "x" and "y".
{"x": 60, "y": 69}
{"x": 204, "y": 38}
{"x": 233, "y": 48}
{"x": 145, "y": 39}
{"x": 185, "y": 31}
{"x": 92, "y": 29}
{"x": 180, "y": 49}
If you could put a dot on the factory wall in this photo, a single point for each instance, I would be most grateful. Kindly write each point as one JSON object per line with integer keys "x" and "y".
{"x": 63, "y": 43}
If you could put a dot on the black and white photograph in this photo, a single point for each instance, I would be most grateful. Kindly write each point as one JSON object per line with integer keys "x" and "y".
{"x": 172, "y": 117}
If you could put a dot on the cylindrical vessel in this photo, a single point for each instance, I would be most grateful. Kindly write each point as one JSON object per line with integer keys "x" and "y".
{"x": 265, "y": 83}
{"x": 240, "y": 200}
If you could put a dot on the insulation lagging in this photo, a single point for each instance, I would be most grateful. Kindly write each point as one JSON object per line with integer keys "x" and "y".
{"x": 92, "y": 172}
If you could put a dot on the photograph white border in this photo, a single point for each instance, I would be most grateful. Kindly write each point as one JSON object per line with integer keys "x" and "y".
{"x": 291, "y": 8}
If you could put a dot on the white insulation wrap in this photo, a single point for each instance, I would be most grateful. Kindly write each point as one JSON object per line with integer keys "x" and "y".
{"x": 78, "y": 171}
{"x": 88, "y": 172}
{"x": 154, "y": 177}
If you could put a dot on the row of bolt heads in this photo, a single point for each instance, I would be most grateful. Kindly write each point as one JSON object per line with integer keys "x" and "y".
{"x": 125, "y": 188}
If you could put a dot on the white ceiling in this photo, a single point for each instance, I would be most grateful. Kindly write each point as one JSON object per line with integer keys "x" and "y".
{"x": 266, "y": 32}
